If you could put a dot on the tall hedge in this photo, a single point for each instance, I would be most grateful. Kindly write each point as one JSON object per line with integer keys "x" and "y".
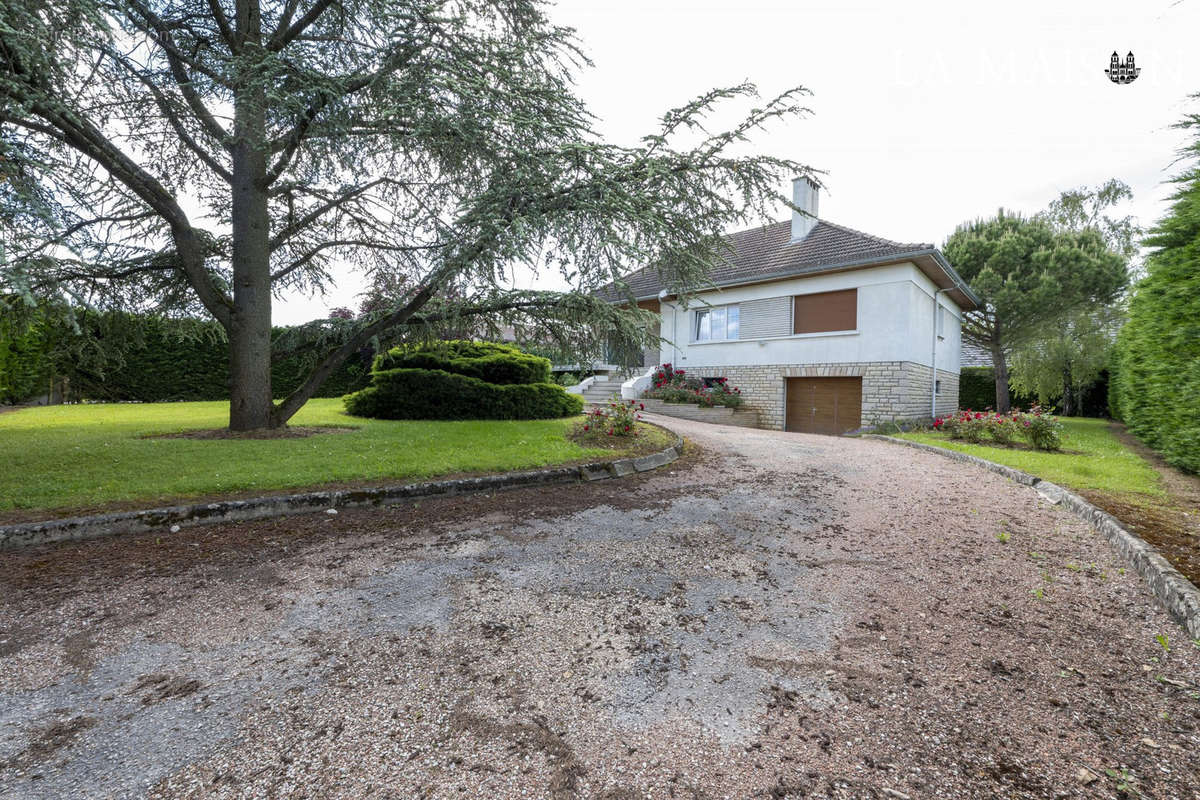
{"x": 462, "y": 380}
{"x": 147, "y": 359}
{"x": 1157, "y": 383}
{"x": 25, "y": 369}
{"x": 977, "y": 390}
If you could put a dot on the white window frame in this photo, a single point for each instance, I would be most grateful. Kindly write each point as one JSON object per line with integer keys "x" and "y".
{"x": 711, "y": 314}
{"x": 941, "y": 321}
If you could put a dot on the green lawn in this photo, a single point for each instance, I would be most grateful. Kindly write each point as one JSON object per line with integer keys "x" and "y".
{"x": 1102, "y": 464}
{"x": 84, "y": 456}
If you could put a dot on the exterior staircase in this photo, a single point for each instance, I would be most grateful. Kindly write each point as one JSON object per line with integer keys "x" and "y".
{"x": 600, "y": 392}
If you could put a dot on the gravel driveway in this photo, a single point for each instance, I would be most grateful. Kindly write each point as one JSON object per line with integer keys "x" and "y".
{"x": 774, "y": 616}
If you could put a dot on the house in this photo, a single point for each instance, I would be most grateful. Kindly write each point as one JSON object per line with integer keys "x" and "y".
{"x": 825, "y": 329}
{"x": 975, "y": 355}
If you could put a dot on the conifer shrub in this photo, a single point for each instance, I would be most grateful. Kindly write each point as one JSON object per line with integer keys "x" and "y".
{"x": 462, "y": 380}
{"x": 487, "y": 361}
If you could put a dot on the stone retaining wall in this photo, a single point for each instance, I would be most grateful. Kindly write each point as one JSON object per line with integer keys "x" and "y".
{"x": 717, "y": 415}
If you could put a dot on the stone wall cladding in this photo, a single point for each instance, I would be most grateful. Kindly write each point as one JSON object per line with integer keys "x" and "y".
{"x": 892, "y": 390}
{"x": 718, "y": 415}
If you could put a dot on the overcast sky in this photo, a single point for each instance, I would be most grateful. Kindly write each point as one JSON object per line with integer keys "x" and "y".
{"x": 925, "y": 114}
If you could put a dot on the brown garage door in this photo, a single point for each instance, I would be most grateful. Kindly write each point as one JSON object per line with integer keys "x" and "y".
{"x": 824, "y": 405}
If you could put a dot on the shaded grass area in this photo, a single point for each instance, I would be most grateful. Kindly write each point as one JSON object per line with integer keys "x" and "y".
{"x": 1099, "y": 460}
{"x": 1118, "y": 474}
{"x": 68, "y": 458}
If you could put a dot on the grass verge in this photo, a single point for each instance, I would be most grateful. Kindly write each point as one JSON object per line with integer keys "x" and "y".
{"x": 1116, "y": 473}
{"x": 69, "y": 459}
{"x": 1100, "y": 461}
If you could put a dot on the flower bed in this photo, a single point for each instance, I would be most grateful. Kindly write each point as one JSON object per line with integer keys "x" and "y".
{"x": 616, "y": 418}
{"x": 675, "y": 386}
{"x": 1042, "y": 431}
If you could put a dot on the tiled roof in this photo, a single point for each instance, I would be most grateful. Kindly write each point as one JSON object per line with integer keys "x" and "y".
{"x": 974, "y": 355}
{"x": 767, "y": 252}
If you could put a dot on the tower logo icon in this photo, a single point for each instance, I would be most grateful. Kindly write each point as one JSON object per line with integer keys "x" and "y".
{"x": 1122, "y": 71}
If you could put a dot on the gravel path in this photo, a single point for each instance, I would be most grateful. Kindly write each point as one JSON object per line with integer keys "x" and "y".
{"x": 774, "y": 616}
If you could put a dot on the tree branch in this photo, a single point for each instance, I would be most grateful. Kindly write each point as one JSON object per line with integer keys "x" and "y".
{"x": 293, "y": 402}
{"x": 315, "y": 251}
{"x": 290, "y": 142}
{"x": 177, "y": 60}
{"x": 281, "y": 37}
{"x": 86, "y": 139}
{"x": 222, "y": 23}
{"x": 184, "y": 135}
{"x": 293, "y": 228}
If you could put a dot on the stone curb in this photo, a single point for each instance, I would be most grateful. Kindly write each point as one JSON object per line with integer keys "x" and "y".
{"x": 172, "y": 518}
{"x": 1179, "y": 595}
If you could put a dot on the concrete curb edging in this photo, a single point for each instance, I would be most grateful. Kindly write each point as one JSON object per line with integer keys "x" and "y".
{"x": 172, "y": 518}
{"x": 1179, "y": 595}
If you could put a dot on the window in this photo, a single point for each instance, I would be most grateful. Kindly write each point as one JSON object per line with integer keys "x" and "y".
{"x": 937, "y": 387}
{"x": 825, "y": 311}
{"x": 941, "y": 321}
{"x": 717, "y": 323}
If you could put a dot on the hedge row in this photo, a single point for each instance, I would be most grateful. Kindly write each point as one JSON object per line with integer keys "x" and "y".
{"x": 25, "y": 368}
{"x": 977, "y": 390}
{"x": 1157, "y": 381}
{"x": 1157, "y": 384}
{"x": 154, "y": 360}
{"x": 438, "y": 394}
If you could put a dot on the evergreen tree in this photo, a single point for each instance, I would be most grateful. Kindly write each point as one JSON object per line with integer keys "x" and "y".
{"x": 1028, "y": 274}
{"x": 1157, "y": 380}
{"x": 206, "y": 155}
{"x": 1068, "y": 353}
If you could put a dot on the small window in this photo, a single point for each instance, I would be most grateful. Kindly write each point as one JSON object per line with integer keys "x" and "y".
{"x": 941, "y": 321}
{"x": 717, "y": 323}
{"x": 937, "y": 387}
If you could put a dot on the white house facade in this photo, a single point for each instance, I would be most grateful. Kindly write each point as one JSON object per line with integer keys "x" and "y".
{"x": 823, "y": 328}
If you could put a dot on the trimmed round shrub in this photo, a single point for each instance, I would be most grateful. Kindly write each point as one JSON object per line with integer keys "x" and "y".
{"x": 438, "y": 394}
{"x": 487, "y": 361}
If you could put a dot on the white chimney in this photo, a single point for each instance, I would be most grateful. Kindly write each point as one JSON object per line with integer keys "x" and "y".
{"x": 805, "y": 196}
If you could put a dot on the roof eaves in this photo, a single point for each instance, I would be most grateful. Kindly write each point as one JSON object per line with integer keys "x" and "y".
{"x": 959, "y": 283}
{"x": 890, "y": 258}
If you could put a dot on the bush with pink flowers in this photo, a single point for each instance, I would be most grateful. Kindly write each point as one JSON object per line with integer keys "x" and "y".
{"x": 616, "y": 418}
{"x": 1043, "y": 431}
{"x": 675, "y": 386}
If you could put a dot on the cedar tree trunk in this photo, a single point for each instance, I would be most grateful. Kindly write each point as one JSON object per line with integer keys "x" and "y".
{"x": 250, "y": 405}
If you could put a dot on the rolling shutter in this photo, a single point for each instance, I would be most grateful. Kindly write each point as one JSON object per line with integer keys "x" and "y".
{"x": 825, "y": 311}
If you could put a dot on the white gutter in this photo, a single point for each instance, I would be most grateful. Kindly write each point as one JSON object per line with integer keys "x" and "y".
{"x": 933, "y": 356}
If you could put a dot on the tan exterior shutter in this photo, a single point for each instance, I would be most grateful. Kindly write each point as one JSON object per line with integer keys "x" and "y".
{"x": 825, "y": 311}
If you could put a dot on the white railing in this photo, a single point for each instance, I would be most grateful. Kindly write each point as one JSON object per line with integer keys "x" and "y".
{"x": 581, "y": 386}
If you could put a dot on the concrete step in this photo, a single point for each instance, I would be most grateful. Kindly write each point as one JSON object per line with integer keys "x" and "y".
{"x": 601, "y": 391}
